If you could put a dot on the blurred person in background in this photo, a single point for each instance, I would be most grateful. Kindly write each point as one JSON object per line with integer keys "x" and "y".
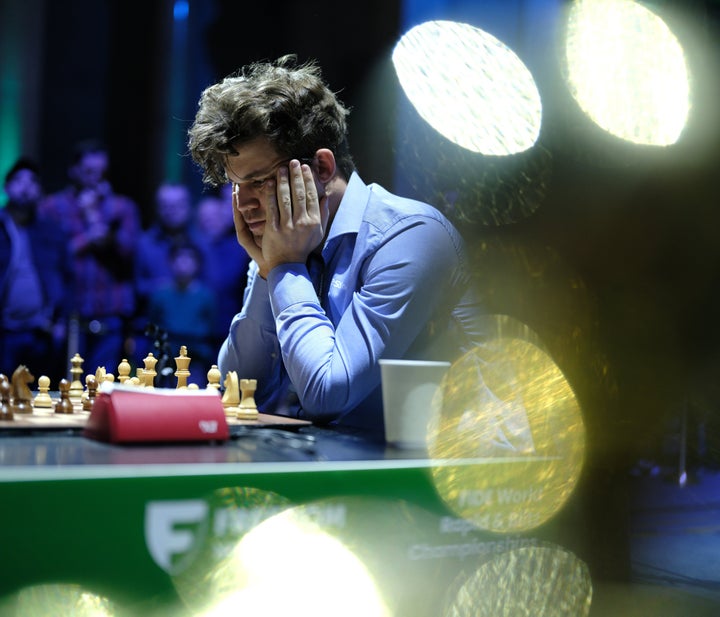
{"x": 102, "y": 228}
{"x": 34, "y": 280}
{"x": 172, "y": 224}
{"x": 184, "y": 309}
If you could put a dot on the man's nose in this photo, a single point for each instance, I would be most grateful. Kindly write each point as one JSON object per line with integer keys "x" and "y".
{"x": 246, "y": 201}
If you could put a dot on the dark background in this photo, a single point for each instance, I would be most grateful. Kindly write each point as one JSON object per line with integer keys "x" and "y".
{"x": 105, "y": 70}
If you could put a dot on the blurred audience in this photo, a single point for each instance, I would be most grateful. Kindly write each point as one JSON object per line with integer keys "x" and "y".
{"x": 34, "y": 279}
{"x": 79, "y": 274}
{"x": 102, "y": 228}
{"x": 226, "y": 262}
{"x": 171, "y": 225}
{"x": 184, "y": 311}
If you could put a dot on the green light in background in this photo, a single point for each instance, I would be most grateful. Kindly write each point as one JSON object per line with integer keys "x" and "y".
{"x": 10, "y": 93}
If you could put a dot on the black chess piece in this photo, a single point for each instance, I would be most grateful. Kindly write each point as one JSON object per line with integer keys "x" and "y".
{"x": 92, "y": 385}
{"x": 163, "y": 353}
{"x": 20, "y": 394}
{"x": 64, "y": 405}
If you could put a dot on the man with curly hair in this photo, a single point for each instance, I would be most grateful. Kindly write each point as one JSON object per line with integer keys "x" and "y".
{"x": 342, "y": 273}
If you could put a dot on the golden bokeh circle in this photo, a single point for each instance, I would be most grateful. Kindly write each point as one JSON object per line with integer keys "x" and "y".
{"x": 533, "y": 580}
{"x": 507, "y": 438}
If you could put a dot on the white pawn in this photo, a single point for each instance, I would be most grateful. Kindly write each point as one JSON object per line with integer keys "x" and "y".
{"x": 214, "y": 377}
{"x": 42, "y": 398}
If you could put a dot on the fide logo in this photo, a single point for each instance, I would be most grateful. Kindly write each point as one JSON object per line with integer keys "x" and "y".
{"x": 178, "y": 532}
{"x": 172, "y": 531}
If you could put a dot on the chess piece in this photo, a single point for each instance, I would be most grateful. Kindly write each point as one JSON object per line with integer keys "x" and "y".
{"x": 247, "y": 409}
{"x": 76, "y": 386}
{"x": 124, "y": 369}
{"x": 149, "y": 372}
{"x": 5, "y": 410}
{"x": 99, "y": 378}
{"x": 64, "y": 405}
{"x": 182, "y": 362}
{"x": 42, "y": 398}
{"x": 20, "y": 395}
{"x": 231, "y": 396}
{"x": 92, "y": 383}
{"x": 214, "y": 376}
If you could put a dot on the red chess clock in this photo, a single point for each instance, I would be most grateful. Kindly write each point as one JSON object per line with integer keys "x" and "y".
{"x": 123, "y": 414}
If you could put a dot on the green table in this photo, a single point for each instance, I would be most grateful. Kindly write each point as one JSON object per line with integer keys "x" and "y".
{"x": 131, "y": 523}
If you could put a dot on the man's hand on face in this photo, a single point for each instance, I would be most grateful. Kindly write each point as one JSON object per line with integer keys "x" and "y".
{"x": 296, "y": 219}
{"x": 296, "y": 216}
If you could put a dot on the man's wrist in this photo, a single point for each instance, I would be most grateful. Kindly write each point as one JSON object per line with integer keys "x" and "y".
{"x": 265, "y": 270}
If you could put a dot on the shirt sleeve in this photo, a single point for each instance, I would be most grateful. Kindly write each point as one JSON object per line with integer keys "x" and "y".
{"x": 403, "y": 282}
{"x": 252, "y": 348}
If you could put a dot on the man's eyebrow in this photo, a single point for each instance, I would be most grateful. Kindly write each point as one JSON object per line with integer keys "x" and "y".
{"x": 255, "y": 174}
{"x": 227, "y": 175}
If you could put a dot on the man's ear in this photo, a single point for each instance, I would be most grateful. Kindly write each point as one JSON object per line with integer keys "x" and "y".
{"x": 326, "y": 166}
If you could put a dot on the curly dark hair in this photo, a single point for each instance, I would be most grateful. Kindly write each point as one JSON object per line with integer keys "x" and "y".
{"x": 286, "y": 102}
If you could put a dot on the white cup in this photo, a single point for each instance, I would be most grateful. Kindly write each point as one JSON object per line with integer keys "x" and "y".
{"x": 410, "y": 389}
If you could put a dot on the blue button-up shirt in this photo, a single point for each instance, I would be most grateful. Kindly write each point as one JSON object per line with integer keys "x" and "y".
{"x": 391, "y": 284}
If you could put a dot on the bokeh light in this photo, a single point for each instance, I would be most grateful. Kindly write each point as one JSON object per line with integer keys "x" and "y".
{"x": 289, "y": 565}
{"x": 62, "y": 599}
{"x": 469, "y": 86}
{"x": 232, "y": 512}
{"x": 533, "y": 580}
{"x": 509, "y": 440}
{"x": 627, "y": 71}
{"x": 408, "y": 553}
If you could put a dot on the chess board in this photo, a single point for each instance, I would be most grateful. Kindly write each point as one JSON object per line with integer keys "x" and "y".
{"x": 48, "y": 420}
{"x": 265, "y": 419}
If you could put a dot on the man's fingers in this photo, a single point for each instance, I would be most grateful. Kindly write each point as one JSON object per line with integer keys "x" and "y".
{"x": 298, "y": 190}
{"x": 284, "y": 202}
{"x": 311, "y": 195}
{"x": 272, "y": 218}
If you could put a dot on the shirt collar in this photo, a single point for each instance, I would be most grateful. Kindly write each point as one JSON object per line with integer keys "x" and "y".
{"x": 351, "y": 210}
